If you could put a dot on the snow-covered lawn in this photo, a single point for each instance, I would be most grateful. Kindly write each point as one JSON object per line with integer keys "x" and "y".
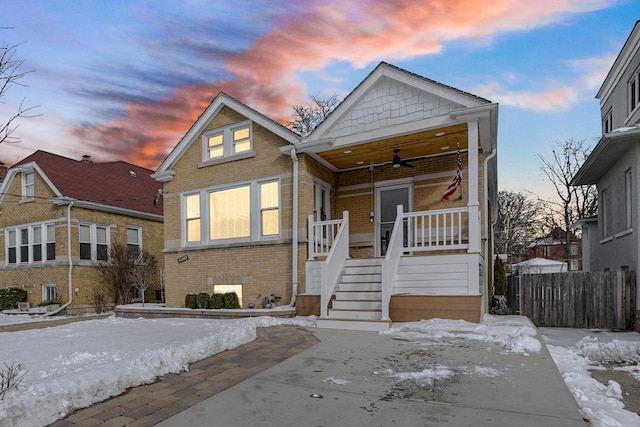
{"x": 75, "y": 365}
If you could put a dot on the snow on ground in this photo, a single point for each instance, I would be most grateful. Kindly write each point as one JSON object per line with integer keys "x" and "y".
{"x": 75, "y": 365}
{"x": 64, "y": 372}
{"x": 576, "y": 352}
{"x": 13, "y": 319}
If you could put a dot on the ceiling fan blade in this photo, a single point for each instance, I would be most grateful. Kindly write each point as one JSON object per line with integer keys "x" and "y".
{"x": 406, "y": 164}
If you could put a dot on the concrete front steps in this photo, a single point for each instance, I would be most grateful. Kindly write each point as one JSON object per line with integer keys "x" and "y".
{"x": 358, "y": 301}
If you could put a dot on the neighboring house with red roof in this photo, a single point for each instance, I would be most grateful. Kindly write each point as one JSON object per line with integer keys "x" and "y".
{"x": 60, "y": 216}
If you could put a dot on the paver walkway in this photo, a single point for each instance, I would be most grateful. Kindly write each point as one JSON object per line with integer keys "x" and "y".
{"x": 149, "y": 404}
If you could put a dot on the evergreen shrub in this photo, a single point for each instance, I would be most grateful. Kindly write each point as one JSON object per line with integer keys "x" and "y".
{"x": 9, "y": 297}
{"x": 190, "y": 301}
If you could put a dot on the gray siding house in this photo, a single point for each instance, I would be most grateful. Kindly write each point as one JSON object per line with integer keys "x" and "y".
{"x": 611, "y": 240}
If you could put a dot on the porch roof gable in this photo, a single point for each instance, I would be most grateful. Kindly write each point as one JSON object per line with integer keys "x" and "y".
{"x": 387, "y": 90}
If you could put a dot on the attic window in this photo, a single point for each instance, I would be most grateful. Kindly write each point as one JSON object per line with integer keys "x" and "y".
{"x": 28, "y": 184}
{"x": 133, "y": 174}
{"x": 226, "y": 142}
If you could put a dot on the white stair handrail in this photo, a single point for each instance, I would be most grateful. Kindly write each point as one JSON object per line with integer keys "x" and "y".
{"x": 332, "y": 266}
{"x": 392, "y": 261}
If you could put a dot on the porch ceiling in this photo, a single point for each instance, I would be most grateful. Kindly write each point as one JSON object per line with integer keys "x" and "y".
{"x": 412, "y": 146}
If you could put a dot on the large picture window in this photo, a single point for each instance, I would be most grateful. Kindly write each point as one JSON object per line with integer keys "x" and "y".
{"x": 245, "y": 212}
{"x": 31, "y": 244}
{"x": 230, "y": 213}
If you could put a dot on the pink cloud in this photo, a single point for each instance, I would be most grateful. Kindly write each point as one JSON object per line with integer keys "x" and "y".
{"x": 359, "y": 33}
{"x": 556, "y": 97}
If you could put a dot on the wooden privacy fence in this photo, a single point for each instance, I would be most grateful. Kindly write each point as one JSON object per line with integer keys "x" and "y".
{"x": 575, "y": 300}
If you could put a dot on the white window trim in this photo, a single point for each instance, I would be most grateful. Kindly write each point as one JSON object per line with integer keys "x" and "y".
{"x": 255, "y": 209}
{"x": 94, "y": 240}
{"x": 634, "y": 79}
{"x": 604, "y": 213}
{"x": 227, "y": 144}
{"x": 138, "y": 230}
{"x": 52, "y": 286}
{"x": 24, "y": 185}
{"x": 628, "y": 198}
{"x": 607, "y": 124}
{"x": 43, "y": 243}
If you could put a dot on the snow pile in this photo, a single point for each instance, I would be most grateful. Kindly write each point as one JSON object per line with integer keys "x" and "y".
{"x": 614, "y": 351}
{"x": 513, "y": 333}
{"x": 599, "y": 403}
{"x": 427, "y": 377}
{"x": 64, "y": 373}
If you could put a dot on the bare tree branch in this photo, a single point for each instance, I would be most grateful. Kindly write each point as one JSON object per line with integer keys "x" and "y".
{"x": 10, "y": 75}
{"x": 306, "y": 117}
{"x": 520, "y": 220}
{"x": 575, "y": 201}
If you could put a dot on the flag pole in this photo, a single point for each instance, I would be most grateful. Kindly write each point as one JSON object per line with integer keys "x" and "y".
{"x": 460, "y": 166}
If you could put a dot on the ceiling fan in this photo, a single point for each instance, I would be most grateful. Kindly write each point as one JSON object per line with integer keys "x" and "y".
{"x": 397, "y": 161}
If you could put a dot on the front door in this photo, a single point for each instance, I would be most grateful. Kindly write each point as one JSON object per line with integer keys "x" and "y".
{"x": 389, "y": 197}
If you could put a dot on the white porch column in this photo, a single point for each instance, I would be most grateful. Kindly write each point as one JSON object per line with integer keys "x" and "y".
{"x": 472, "y": 187}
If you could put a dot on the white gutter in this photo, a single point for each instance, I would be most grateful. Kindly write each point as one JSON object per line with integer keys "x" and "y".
{"x": 485, "y": 164}
{"x": 70, "y": 275}
{"x": 294, "y": 226}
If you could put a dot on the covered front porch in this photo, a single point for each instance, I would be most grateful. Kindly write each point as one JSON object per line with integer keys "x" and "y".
{"x": 431, "y": 267}
{"x": 401, "y": 181}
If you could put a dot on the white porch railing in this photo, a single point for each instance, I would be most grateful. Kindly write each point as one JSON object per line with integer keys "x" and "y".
{"x": 435, "y": 230}
{"x": 442, "y": 229}
{"x": 322, "y": 235}
{"x": 335, "y": 246}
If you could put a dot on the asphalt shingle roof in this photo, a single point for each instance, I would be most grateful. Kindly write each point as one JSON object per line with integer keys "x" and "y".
{"x": 119, "y": 184}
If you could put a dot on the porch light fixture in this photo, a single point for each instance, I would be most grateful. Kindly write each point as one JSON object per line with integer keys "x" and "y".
{"x": 360, "y": 162}
{"x": 444, "y": 147}
{"x": 440, "y": 134}
{"x": 347, "y": 151}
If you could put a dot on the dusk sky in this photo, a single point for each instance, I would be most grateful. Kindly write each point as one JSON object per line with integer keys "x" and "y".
{"x": 124, "y": 80}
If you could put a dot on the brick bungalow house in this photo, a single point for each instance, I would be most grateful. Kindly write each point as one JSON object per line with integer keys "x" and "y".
{"x": 558, "y": 245}
{"x": 348, "y": 222}
{"x": 58, "y": 218}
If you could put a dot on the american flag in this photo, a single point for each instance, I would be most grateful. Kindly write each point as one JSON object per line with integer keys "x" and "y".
{"x": 457, "y": 180}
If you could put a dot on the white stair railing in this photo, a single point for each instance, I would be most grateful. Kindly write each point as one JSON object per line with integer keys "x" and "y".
{"x": 336, "y": 250}
{"x": 322, "y": 235}
{"x": 392, "y": 261}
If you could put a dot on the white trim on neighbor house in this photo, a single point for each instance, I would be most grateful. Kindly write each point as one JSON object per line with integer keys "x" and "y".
{"x": 624, "y": 58}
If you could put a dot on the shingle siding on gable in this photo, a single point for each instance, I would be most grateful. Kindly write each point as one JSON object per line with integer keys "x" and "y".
{"x": 391, "y": 103}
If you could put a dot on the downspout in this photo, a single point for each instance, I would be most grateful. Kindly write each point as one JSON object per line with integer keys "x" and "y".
{"x": 70, "y": 278}
{"x": 485, "y": 164}
{"x": 294, "y": 226}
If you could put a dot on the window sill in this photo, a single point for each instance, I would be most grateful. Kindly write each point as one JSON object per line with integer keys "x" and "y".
{"x": 221, "y": 160}
{"x": 236, "y": 244}
{"x": 27, "y": 200}
{"x": 624, "y": 233}
{"x": 606, "y": 239}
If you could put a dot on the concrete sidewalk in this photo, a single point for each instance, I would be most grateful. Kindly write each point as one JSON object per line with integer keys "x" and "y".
{"x": 347, "y": 379}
